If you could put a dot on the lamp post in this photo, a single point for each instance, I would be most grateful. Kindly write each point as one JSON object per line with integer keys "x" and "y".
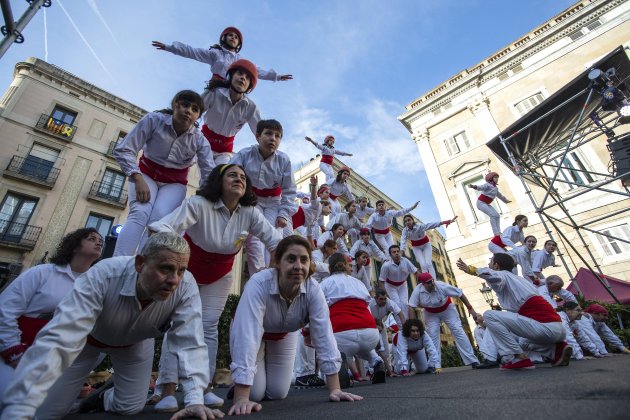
{"x": 486, "y": 292}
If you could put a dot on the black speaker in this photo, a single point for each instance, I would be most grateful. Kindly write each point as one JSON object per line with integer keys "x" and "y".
{"x": 110, "y": 244}
{"x": 620, "y": 155}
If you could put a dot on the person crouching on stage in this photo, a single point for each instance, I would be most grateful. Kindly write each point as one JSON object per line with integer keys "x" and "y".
{"x": 275, "y": 304}
{"x": 414, "y": 344}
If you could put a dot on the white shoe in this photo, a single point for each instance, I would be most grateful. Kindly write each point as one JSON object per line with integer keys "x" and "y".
{"x": 211, "y": 400}
{"x": 167, "y": 404}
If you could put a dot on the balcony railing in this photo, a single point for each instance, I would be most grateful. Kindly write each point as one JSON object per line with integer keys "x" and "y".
{"x": 33, "y": 169}
{"x": 19, "y": 234}
{"x": 55, "y": 127}
{"x": 110, "y": 149}
{"x": 108, "y": 193}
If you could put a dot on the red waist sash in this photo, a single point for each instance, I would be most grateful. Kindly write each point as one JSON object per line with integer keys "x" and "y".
{"x": 298, "y": 219}
{"x": 538, "y": 309}
{"x": 29, "y": 327}
{"x": 161, "y": 173}
{"x": 485, "y": 198}
{"x": 327, "y": 159}
{"x": 333, "y": 196}
{"x": 438, "y": 309}
{"x": 351, "y": 314}
{"x": 368, "y": 262}
{"x": 218, "y": 142}
{"x": 273, "y": 336}
{"x": 208, "y": 267}
{"x": 421, "y": 241}
{"x": 497, "y": 241}
{"x": 381, "y": 231}
{"x": 395, "y": 283}
{"x": 268, "y": 192}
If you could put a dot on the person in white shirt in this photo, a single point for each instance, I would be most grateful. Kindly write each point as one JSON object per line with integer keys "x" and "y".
{"x": 220, "y": 55}
{"x": 394, "y": 273}
{"x": 552, "y": 286}
{"x": 215, "y": 223}
{"x": 486, "y": 344}
{"x": 381, "y": 220}
{"x": 511, "y": 236}
{"x": 435, "y": 299}
{"x": 363, "y": 210}
{"x": 328, "y": 152}
{"x": 528, "y": 323}
{"x": 352, "y": 322}
{"x": 490, "y": 191}
{"x": 569, "y": 313}
{"x": 337, "y": 234}
{"x": 29, "y": 301}
{"x": 349, "y": 221}
{"x": 339, "y": 186}
{"x": 358, "y": 270}
{"x": 522, "y": 255}
{"x": 381, "y": 308}
{"x": 414, "y": 344}
{"x": 117, "y": 307}
{"x": 599, "y": 316}
{"x": 365, "y": 243}
{"x": 544, "y": 258}
{"x": 169, "y": 144}
{"x": 272, "y": 181}
{"x": 420, "y": 243}
{"x": 275, "y": 304}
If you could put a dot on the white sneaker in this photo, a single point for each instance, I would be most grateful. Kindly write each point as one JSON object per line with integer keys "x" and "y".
{"x": 211, "y": 400}
{"x": 167, "y": 404}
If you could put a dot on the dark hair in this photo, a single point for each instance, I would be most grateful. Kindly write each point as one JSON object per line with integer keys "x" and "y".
{"x": 329, "y": 243}
{"x": 551, "y": 240}
{"x": 270, "y": 125}
{"x": 412, "y": 322}
{"x": 212, "y": 190}
{"x": 348, "y": 204}
{"x": 70, "y": 244}
{"x": 380, "y": 292}
{"x": 337, "y": 263}
{"x": 324, "y": 203}
{"x": 392, "y": 247}
{"x": 518, "y": 218}
{"x": 379, "y": 201}
{"x": 568, "y": 306}
{"x": 284, "y": 245}
{"x": 529, "y": 236}
{"x": 407, "y": 216}
{"x": 185, "y": 95}
{"x": 335, "y": 226}
{"x": 505, "y": 261}
{"x": 359, "y": 253}
{"x": 338, "y": 178}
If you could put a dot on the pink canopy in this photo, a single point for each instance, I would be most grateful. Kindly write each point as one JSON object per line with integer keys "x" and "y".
{"x": 592, "y": 289}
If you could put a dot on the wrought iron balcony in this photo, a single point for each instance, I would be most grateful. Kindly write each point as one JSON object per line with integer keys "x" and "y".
{"x": 109, "y": 194}
{"x": 110, "y": 149}
{"x": 33, "y": 169}
{"x": 19, "y": 235}
{"x": 55, "y": 127}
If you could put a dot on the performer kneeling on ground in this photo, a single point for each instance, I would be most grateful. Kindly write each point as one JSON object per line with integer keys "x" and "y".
{"x": 415, "y": 344}
{"x": 275, "y": 304}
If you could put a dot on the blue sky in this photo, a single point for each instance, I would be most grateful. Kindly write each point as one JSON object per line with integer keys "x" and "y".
{"x": 356, "y": 63}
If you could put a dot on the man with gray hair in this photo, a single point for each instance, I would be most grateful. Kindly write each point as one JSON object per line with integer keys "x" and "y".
{"x": 552, "y": 286}
{"x": 117, "y": 307}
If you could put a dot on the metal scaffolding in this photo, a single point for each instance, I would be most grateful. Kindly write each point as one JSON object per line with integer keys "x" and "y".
{"x": 12, "y": 31}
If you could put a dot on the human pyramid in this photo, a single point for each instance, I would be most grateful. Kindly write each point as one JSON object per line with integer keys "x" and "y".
{"x": 309, "y": 313}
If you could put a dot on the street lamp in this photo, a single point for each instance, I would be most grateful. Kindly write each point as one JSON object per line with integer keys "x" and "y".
{"x": 486, "y": 292}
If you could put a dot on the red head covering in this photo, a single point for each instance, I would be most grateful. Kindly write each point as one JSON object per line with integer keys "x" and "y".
{"x": 424, "y": 277}
{"x": 237, "y": 32}
{"x": 344, "y": 168}
{"x": 330, "y": 136}
{"x": 364, "y": 230}
{"x": 323, "y": 188}
{"x": 248, "y": 67}
{"x": 594, "y": 308}
{"x": 491, "y": 175}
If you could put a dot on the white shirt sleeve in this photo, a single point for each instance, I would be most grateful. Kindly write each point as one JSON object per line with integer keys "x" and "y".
{"x": 126, "y": 152}
{"x": 432, "y": 353}
{"x": 403, "y": 239}
{"x": 203, "y": 55}
{"x": 322, "y": 335}
{"x": 401, "y": 353}
{"x": 610, "y": 337}
{"x": 287, "y": 202}
{"x": 179, "y": 220}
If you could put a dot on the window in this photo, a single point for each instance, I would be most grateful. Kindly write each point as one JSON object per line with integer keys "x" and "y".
{"x": 457, "y": 143}
{"x": 613, "y": 246}
{"x": 96, "y": 129}
{"x": 527, "y": 104}
{"x": 39, "y": 162}
{"x": 15, "y": 213}
{"x": 101, "y": 223}
{"x": 111, "y": 185}
{"x": 471, "y": 199}
{"x": 63, "y": 115}
{"x": 572, "y": 172}
{"x": 121, "y": 136}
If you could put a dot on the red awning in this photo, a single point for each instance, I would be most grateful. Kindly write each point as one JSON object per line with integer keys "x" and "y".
{"x": 592, "y": 289}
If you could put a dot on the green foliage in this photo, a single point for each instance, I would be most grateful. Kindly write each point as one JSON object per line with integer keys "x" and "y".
{"x": 615, "y": 311}
{"x": 223, "y": 351}
{"x": 450, "y": 356}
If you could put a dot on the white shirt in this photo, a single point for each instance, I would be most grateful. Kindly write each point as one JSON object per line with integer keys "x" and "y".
{"x": 312, "y": 211}
{"x": 511, "y": 235}
{"x": 35, "y": 293}
{"x": 225, "y": 118}
{"x": 587, "y": 337}
{"x": 341, "y": 188}
{"x": 606, "y": 334}
{"x": 348, "y": 222}
{"x": 213, "y": 229}
{"x": 328, "y": 235}
{"x": 423, "y": 298}
{"x": 103, "y": 304}
{"x": 570, "y": 338}
{"x": 397, "y": 272}
{"x": 361, "y": 213}
{"x": 491, "y": 190}
{"x": 511, "y": 290}
{"x": 321, "y": 265}
{"x": 362, "y": 275}
{"x": 523, "y": 257}
{"x": 329, "y": 150}
{"x": 417, "y": 232}
{"x": 542, "y": 259}
{"x": 407, "y": 344}
{"x": 562, "y": 293}
{"x": 371, "y": 248}
{"x": 155, "y": 136}
{"x": 273, "y": 172}
{"x": 381, "y": 312}
{"x": 377, "y": 221}
{"x": 219, "y": 59}
{"x": 340, "y": 286}
{"x": 262, "y": 309}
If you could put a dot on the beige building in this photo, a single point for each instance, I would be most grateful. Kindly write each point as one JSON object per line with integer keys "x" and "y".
{"x": 452, "y": 123}
{"x": 362, "y": 188}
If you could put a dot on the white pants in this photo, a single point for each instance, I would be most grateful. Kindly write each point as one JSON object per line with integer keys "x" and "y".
{"x": 220, "y": 158}
{"x": 353, "y": 234}
{"x": 213, "y": 297}
{"x": 494, "y": 216}
{"x": 257, "y": 255}
{"x": 398, "y": 294}
{"x": 335, "y": 207}
{"x": 274, "y": 369}
{"x": 419, "y": 359}
{"x": 328, "y": 172}
{"x": 132, "y": 373}
{"x": 164, "y": 199}
{"x": 6, "y": 374}
{"x": 496, "y": 249}
{"x": 385, "y": 241}
{"x": 360, "y": 343}
{"x": 450, "y": 317}
{"x": 487, "y": 347}
{"x": 384, "y": 340}
{"x": 516, "y": 334}
{"x": 423, "y": 255}
{"x": 304, "y": 359}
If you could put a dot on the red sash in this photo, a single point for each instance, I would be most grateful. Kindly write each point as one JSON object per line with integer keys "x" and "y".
{"x": 217, "y": 77}
{"x": 327, "y": 159}
{"x": 273, "y": 336}
{"x": 218, "y": 143}
{"x": 29, "y": 327}
{"x": 268, "y": 192}
{"x": 333, "y": 196}
{"x": 395, "y": 283}
{"x": 298, "y": 219}
{"x": 351, "y": 314}
{"x": 497, "y": 241}
{"x": 381, "y": 231}
{"x": 538, "y": 309}
{"x": 438, "y": 309}
{"x": 368, "y": 262}
{"x": 161, "y": 173}
{"x": 421, "y": 241}
{"x": 485, "y": 199}
{"x": 208, "y": 267}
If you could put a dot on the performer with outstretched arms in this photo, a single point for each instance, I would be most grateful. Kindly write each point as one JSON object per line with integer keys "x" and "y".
{"x": 381, "y": 220}
{"x": 510, "y": 237}
{"x": 349, "y": 221}
{"x": 328, "y": 152}
{"x": 543, "y": 258}
{"x": 490, "y": 191}
{"x": 339, "y": 186}
{"x": 420, "y": 243}
{"x": 363, "y": 211}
